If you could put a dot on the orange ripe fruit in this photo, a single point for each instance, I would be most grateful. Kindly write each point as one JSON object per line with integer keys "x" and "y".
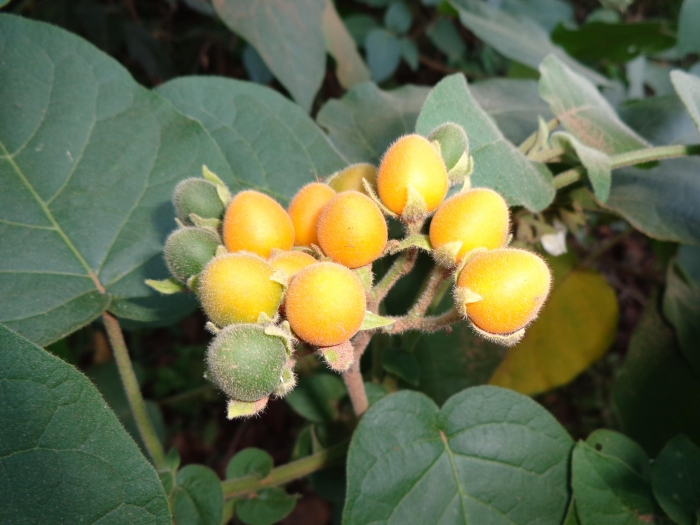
{"x": 478, "y": 218}
{"x": 513, "y": 285}
{"x": 305, "y": 209}
{"x": 256, "y": 223}
{"x": 352, "y": 230}
{"x": 411, "y": 161}
{"x": 325, "y": 304}
{"x": 291, "y": 262}
{"x": 236, "y": 288}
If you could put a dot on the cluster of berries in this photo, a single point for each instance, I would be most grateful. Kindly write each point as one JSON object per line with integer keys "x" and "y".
{"x": 268, "y": 277}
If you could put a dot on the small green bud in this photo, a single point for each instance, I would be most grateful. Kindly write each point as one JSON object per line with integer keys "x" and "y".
{"x": 188, "y": 250}
{"x": 245, "y": 363}
{"x": 197, "y": 196}
{"x": 288, "y": 381}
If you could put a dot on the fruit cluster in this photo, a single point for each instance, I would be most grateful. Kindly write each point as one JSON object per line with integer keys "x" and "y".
{"x": 268, "y": 278}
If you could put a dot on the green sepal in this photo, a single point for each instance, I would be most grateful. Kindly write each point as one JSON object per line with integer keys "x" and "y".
{"x": 280, "y": 277}
{"x": 373, "y": 321}
{"x": 288, "y": 380}
{"x": 453, "y": 143}
{"x": 364, "y": 273}
{"x": 420, "y": 241}
{"x": 165, "y": 286}
{"x": 416, "y": 209}
{"x": 212, "y": 328}
{"x": 372, "y": 195}
{"x": 500, "y": 339}
{"x": 284, "y": 332}
{"x": 220, "y": 250}
{"x": 236, "y": 409}
{"x": 467, "y": 257}
{"x": 221, "y": 189}
{"x": 461, "y": 173}
{"x": 447, "y": 254}
{"x": 339, "y": 357}
{"x": 193, "y": 283}
{"x": 211, "y": 225}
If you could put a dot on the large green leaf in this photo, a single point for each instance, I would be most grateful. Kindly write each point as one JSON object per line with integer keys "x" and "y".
{"x": 575, "y": 328}
{"x": 661, "y": 202}
{"x": 608, "y": 487}
{"x": 269, "y": 142}
{"x": 316, "y": 397}
{"x": 547, "y": 13}
{"x": 514, "y": 105}
{"x": 64, "y": 457}
{"x": 583, "y": 111}
{"x": 288, "y": 36}
{"x": 688, "y": 88}
{"x": 661, "y": 120}
{"x": 367, "y": 120}
{"x": 689, "y": 27}
{"x": 350, "y": 68}
{"x": 197, "y": 498}
{"x": 657, "y": 394}
{"x": 515, "y": 36}
{"x": 497, "y": 163}
{"x": 88, "y": 161}
{"x": 488, "y": 456}
{"x": 675, "y": 478}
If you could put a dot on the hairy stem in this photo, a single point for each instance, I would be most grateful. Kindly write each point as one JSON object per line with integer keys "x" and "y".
{"x": 353, "y": 377}
{"x": 531, "y": 141}
{"x": 547, "y": 155}
{"x": 630, "y": 158}
{"x": 233, "y": 488}
{"x": 402, "y": 265}
{"x": 133, "y": 392}
{"x": 425, "y": 324}
{"x": 430, "y": 287}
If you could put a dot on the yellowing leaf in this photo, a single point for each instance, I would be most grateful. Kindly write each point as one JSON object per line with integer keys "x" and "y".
{"x": 574, "y": 329}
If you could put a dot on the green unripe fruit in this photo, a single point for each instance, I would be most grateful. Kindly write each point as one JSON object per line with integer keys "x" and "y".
{"x": 188, "y": 250}
{"x": 198, "y": 196}
{"x": 245, "y": 363}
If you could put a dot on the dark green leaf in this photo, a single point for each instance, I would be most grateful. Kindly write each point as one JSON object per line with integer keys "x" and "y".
{"x": 383, "y": 54}
{"x": 675, "y": 478}
{"x": 3, "y": 3}
{"x": 598, "y": 165}
{"x": 88, "y": 164}
{"x": 358, "y": 26}
{"x": 288, "y": 36}
{"x": 661, "y": 202}
{"x": 515, "y": 36}
{"x": 197, "y": 498}
{"x": 488, "y": 456}
{"x": 402, "y": 364}
{"x": 681, "y": 306}
{"x": 607, "y": 490}
{"x": 265, "y": 508}
{"x": 583, "y": 111}
{"x": 688, "y": 88}
{"x": 443, "y": 34}
{"x": 571, "y": 516}
{"x": 497, "y": 163}
{"x": 689, "y": 27}
{"x": 316, "y": 397}
{"x": 255, "y": 67}
{"x": 374, "y": 392}
{"x": 409, "y": 52}
{"x": 616, "y": 445}
{"x": 249, "y": 461}
{"x": 689, "y": 264}
{"x": 619, "y": 42}
{"x": 398, "y": 17}
{"x": 661, "y": 120}
{"x": 547, "y": 13}
{"x": 64, "y": 457}
{"x": 367, "y": 120}
{"x": 270, "y": 144}
{"x": 657, "y": 394}
{"x": 513, "y": 104}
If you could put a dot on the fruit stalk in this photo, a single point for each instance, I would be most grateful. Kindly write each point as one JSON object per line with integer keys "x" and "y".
{"x": 132, "y": 390}
{"x": 353, "y": 376}
{"x": 401, "y": 266}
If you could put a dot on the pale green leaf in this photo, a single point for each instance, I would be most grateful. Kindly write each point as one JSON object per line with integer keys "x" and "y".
{"x": 373, "y": 321}
{"x": 288, "y": 37}
{"x": 249, "y": 461}
{"x": 350, "y": 68}
{"x": 497, "y": 163}
{"x": 597, "y": 163}
{"x": 688, "y": 88}
{"x": 488, "y": 456}
{"x": 383, "y": 53}
{"x": 64, "y": 457}
{"x": 689, "y": 27}
{"x": 583, "y": 111}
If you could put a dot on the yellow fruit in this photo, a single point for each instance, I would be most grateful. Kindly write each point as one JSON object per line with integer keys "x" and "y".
{"x": 411, "y": 161}
{"x": 325, "y": 304}
{"x": 477, "y": 218}
{"x": 352, "y": 230}
{"x": 513, "y": 285}
{"x": 291, "y": 262}
{"x": 350, "y": 179}
{"x": 305, "y": 209}
{"x": 236, "y": 288}
{"x": 256, "y": 223}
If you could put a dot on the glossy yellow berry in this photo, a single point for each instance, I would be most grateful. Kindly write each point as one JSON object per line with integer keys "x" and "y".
{"x": 256, "y": 223}
{"x": 411, "y": 161}
{"x": 352, "y": 230}
{"x": 305, "y": 209}
{"x": 325, "y": 304}
{"x": 236, "y": 288}
{"x": 477, "y": 218}
{"x": 350, "y": 179}
{"x": 291, "y": 262}
{"x": 513, "y": 285}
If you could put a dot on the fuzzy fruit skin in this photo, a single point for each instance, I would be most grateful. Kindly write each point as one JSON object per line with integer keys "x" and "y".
{"x": 188, "y": 250}
{"x": 305, "y": 209}
{"x": 325, "y": 304}
{"x": 197, "y": 196}
{"x": 479, "y": 218}
{"x": 245, "y": 363}
{"x": 291, "y": 262}
{"x": 514, "y": 285}
{"x": 411, "y": 161}
{"x": 352, "y": 230}
{"x": 236, "y": 288}
{"x": 350, "y": 179}
{"x": 256, "y": 223}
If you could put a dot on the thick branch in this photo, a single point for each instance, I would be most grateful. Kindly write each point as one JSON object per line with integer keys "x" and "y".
{"x": 428, "y": 324}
